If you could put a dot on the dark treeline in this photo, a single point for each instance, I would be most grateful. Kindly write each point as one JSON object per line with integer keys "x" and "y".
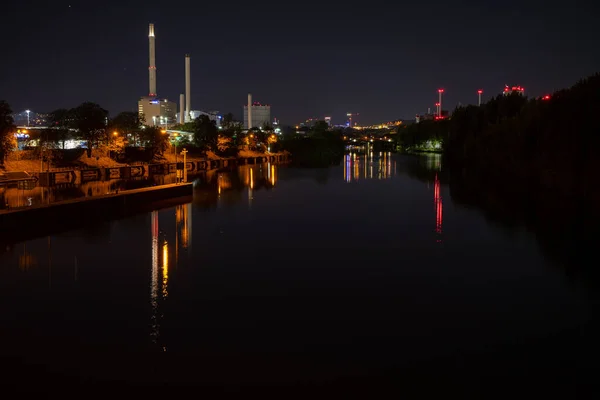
{"x": 319, "y": 147}
{"x": 542, "y": 142}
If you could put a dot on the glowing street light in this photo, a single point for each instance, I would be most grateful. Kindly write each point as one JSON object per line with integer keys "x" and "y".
{"x": 115, "y": 133}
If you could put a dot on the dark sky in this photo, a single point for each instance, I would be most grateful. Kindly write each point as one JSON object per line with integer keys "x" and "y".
{"x": 306, "y": 59}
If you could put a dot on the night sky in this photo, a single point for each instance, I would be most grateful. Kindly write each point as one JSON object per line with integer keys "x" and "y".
{"x": 305, "y": 59}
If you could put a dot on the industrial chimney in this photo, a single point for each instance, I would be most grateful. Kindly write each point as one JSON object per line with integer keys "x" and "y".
{"x": 188, "y": 90}
{"x": 152, "y": 67}
{"x": 181, "y": 111}
{"x": 249, "y": 110}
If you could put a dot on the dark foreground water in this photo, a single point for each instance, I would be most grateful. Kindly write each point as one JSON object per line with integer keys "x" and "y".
{"x": 363, "y": 277}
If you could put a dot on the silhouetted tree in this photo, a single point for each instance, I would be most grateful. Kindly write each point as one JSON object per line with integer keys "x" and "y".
{"x": 319, "y": 128}
{"x": 206, "y": 134}
{"x": 154, "y": 138}
{"x": 228, "y": 120}
{"x": 128, "y": 122}
{"x": 7, "y": 130}
{"x": 60, "y": 122}
{"x": 90, "y": 120}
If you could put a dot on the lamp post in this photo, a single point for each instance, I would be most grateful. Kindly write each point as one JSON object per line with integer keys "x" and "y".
{"x": 184, "y": 152}
{"x": 175, "y": 135}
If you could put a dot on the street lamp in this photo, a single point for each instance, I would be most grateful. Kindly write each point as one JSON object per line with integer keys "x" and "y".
{"x": 175, "y": 135}
{"x": 184, "y": 152}
{"x": 27, "y": 111}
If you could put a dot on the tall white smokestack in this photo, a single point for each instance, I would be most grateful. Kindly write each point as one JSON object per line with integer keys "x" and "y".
{"x": 188, "y": 90}
{"x": 181, "y": 111}
{"x": 152, "y": 67}
{"x": 249, "y": 110}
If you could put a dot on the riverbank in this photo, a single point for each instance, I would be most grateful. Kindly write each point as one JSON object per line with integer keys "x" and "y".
{"x": 28, "y": 160}
{"x": 35, "y": 220}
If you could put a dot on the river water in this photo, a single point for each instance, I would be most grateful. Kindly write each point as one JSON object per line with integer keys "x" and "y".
{"x": 364, "y": 275}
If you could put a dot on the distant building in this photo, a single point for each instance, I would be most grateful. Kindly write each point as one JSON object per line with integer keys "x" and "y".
{"x": 212, "y": 115}
{"x": 431, "y": 117}
{"x": 157, "y": 112}
{"x": 513, "y": 89}
{"x": 328, "y": 120}
{"x": 261, "y": 115}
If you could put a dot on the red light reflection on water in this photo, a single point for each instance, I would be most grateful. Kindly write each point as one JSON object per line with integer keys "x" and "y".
{"x": 437, "y": 201}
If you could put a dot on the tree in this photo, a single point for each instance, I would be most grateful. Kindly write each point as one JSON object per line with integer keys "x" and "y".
{"x": 206, "y": 134}
{"x": 90, "y": 120}
{"x": 228, "y": 120}
{"x": 154, "y": 138}
{"x": 128, "y": 122}
{"x": 59, "y": 123}
{"x": 319, "y": 128}
{"x": 7, "y": 129}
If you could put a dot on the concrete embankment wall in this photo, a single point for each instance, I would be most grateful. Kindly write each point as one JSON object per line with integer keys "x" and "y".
{"x": 39, "y": 220}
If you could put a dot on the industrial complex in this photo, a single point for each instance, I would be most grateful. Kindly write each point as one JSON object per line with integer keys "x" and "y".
{"x": 162, "y": 112}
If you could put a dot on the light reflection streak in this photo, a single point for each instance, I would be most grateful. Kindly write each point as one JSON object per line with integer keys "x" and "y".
{"x": 437, "y": 200}
{"x": 165, "y": 270}
{"x": 154, "y": 277}
{"x": 365, "y": 166}
{"x": 273, "y": 175}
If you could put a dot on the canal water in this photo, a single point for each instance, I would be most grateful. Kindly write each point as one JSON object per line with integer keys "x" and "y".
{"x": 368, "y": 275}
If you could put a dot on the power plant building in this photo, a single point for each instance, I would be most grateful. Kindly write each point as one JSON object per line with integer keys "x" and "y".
{"x": 260, "y": 115}
{"x": 157, "y": 112}
{"x": 212, "y": 115}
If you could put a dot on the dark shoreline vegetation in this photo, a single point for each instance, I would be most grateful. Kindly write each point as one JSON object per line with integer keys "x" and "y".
{"x": 536, "y": 143}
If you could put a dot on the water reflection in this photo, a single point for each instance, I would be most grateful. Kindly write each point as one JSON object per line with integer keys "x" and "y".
{"x": 367, "y": 165}
{"x": 26, "y": 194}
{"x": 26, "y": 259}
{"x": 244, "y": 297}
{"x": 183, "y": 217}
{"x": 437, "y": 201}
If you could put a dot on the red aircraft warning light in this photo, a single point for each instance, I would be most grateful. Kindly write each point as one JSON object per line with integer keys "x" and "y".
{"x": 546, "y": 97}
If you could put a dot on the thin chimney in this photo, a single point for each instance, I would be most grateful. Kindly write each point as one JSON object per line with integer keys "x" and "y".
{"x": 152, "y": 67}
{"x": 181, "y": 111}
{"x": 249, "y": 110}
{"x": 188, "y": 90}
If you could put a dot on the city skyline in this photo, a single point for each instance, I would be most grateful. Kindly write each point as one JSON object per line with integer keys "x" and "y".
{"x": 388, "y": 66}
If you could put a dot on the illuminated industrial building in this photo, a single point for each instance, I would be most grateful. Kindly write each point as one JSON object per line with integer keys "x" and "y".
{"x": 212, "y": 115}
{"x": 260, "y": 115}
{"x": 157, "y": 112}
